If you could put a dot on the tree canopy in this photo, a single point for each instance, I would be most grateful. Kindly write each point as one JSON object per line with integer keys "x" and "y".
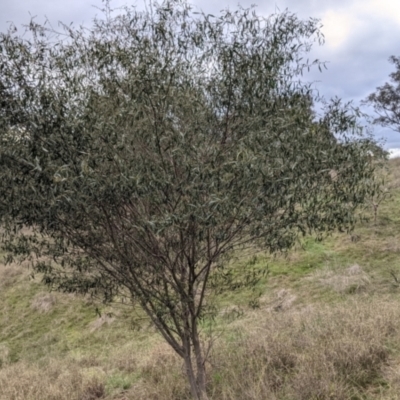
{"x": 142, "y": 151}
{"x": 386, "y": 99}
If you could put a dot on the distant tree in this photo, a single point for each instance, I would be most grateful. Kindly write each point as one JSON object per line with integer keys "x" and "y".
{"x": 154, "y": 144}
{"x": 386, "y": 99}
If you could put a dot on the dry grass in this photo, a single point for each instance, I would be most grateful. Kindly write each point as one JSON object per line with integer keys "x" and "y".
{"x": 394, "y": 173}
{"x": 316, "y": 352}
{"x": 99, "y": 322}
{"x": 55, "y": 380}
{"x": 10, "y": 274}
{"x": 350, "y": 280}
{"x": 43, "y": 302}
{"x": 343, "y": 351}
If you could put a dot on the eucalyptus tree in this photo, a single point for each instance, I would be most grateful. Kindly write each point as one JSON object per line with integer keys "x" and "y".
{"x": 386, "y": 99}
{"x": 141, "y": 152}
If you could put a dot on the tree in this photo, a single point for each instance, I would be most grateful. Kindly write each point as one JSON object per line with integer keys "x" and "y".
{"x": 156, "y": 143}
{"x": 386, "y": 99}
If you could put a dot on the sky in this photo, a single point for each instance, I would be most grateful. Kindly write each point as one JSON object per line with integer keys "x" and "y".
{"x": 360, "y": 35}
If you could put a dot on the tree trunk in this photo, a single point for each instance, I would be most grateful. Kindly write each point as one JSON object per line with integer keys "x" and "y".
{"x": 200, "y": 363}
{"x": 196, "y": 376}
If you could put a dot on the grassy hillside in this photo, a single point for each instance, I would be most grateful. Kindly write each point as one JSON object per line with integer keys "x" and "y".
{"x": 326, "y": 326}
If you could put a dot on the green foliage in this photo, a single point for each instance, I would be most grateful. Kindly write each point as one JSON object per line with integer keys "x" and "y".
{"x": 386, "y": 99}
{"x": 141, "y": 152}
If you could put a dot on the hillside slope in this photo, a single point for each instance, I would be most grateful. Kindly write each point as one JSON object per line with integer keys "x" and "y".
{"x": 323, "y": 324}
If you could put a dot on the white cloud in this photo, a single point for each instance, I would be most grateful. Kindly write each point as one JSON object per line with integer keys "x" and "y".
{"x": 345, "y": 22}
{"x": 394, "y": 153}
{"x": 384, "y": 9}
{"x": 337, "y": 27}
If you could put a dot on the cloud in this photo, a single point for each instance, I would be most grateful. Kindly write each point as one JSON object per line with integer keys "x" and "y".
{"x": 394, "y": 153}
{"x": 337, "y": 28}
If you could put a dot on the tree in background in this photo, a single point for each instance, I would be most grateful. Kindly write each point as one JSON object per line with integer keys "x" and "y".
{"x": 386, "y": 99}
{"x": 143, "y": 151}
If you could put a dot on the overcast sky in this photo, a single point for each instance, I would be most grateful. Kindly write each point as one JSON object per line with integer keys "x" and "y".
{"x": 360, "y": 35}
